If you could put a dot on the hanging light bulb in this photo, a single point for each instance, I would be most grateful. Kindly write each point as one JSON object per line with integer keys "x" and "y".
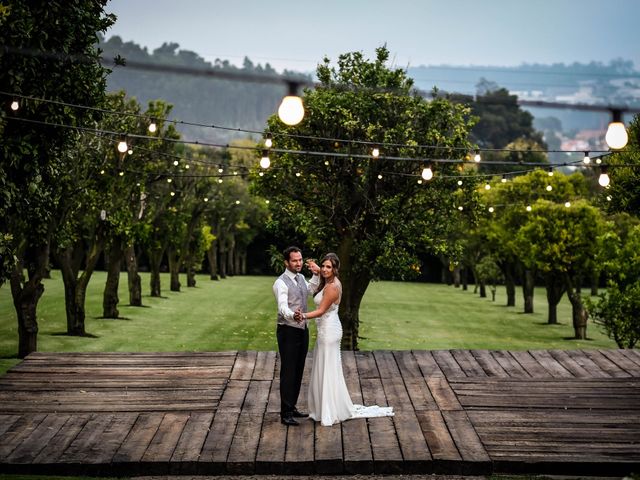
{"x": 375, "y": 153}
{"x": 419, "y": 181}
{"x": 379, "y": 177}
{"x": 152, "y": 127}
{"x": 206, "y": 199}
{"x": 567, "y": 204}
{"x": 603, "y": 179}
{"x": 15, "y": 105}
{"x": 219, "y": 180}
{"x": 504, "y": 179}
{"x": 187, "y": 166}
{"x": 220, "y": 170}
{"x": 237, "y": 202}
{"x": 173, "y": 194}
{"x": 291, "y": 110}
{"x": 122, "y": 145}
{"x": 460, "y": 208}
{"x": 427, "y": 173}
{"x": 550, "y": 172}
{"x": 528, "y": 208}
{"x": 598, "y": 161}
{"x": 268, "y": 141}
{"x": 487, "y": 186}
{"x": 549, "y": 188}
{"x": 586, "y": 160}
{"x": 168, "y": 180}
{"x": 130, "y": 152}
{"x": 476, "y": 157}
{"x": 176, "y": 163}
{"x": 616, "y": 136}
{"x": 491, "y": 209}
{"x": 459, "y": 183}
{"x": 265, "y": 161}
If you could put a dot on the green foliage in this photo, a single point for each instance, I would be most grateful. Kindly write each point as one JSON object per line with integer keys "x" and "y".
{"x": 340, "y": 203}
{"x": 34, "y": 158}
{"x": 618, "y": 312}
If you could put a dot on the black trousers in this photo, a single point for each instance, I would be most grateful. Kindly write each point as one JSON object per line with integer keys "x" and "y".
{"x": 293, "y": 344}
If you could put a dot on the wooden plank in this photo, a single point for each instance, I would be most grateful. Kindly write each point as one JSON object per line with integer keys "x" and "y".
{"x": 351, "y": 376}
{"x": 299, "y": 453}
{"x": 420, "y": 395}
{"x": 19, "y": 430}
{"x": 409, "y": 368}
{"x": 550, "y": 364}
{"x": 605, "y": 364}
{"x": 443, "y": 394}
{"x": 448, "y": 364}
{"x": 85, "y": 444}
{"x": 465, "y": 437}
{"x": 386, "y": 363}
{"x": 396, "y": 393}
{"x": 415, "y": 452}
{"x": 244, "y": 446}
{"x": 216, "y": 447}
{"x": 488, "y": 364}
{"x": 589, "y": 365}
{"x": 509, "y": 364}
{"x": 39, "y": 438}
{"x": 257, "y": 396}
{"x": 358, "y": 458}
{"x": 233, "y": 396}
{"x": 530, "y": 417}
{"x": 164, "y": 442}
{"x": 102, "y": 451}
{"x": 139, "y": 438}
{"x": 441, "y": 445}
{"x": 622, "y": 361}
{"x": 271, "y": 447}
{"x": 530, "y": 364}
{"x": 62, "y": 439}
{"x": 328, "y": 449}
{"x": 631, "y": 354}
{"x": 427, "y": 363}
{"x": 569, "y": 363}
{"x": 468, "y": 363}
{"x": 6, "y": 421}
{"x": 265, "y": 366}
{"x": 192, "y": 440}
{"x": 244, "y": 365}
{"x": 273, "y": 403}
{"x": 366, "y": 363}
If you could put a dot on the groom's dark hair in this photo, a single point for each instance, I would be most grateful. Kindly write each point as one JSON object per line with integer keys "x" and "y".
{"x": 289, "y": 250}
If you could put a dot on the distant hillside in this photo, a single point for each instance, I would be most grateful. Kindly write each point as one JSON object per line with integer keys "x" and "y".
{"x": 247, "y": 105}
{"x": 199, "y": 99}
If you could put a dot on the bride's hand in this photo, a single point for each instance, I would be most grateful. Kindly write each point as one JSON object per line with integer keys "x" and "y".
{"x": 313, "y": 266}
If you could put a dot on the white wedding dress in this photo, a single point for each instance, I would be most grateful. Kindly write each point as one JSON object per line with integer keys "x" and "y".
{"x": 329, "y": 400}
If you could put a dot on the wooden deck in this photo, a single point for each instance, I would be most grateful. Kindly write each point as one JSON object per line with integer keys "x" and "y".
{"x": 457, "y": 412}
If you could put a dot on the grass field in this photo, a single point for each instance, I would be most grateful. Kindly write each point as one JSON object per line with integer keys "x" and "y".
{"x": 238, "y": 313}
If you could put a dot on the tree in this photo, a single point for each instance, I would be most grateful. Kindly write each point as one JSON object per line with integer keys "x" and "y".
{"x": 33, "y": 163}
{"x": 563, "y": 241}
{"x": 372, "y": 212}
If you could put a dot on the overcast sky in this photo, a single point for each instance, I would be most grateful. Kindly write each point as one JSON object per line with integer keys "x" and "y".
{"x": 298, "y": 34}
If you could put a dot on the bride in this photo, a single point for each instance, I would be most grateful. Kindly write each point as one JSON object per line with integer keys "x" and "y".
{"x": 329, "y": 400}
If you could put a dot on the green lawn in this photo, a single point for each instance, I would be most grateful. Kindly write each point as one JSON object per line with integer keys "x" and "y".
{"x": 238, "y": 313}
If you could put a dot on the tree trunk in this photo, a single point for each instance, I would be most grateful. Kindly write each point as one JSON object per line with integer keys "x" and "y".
{"x": 134, "y": 280}
{"x": 510, "y": 283}
{"x": 26, "y": 295}
{"x": 528, "y": 284}
{"x": 464, "y": 277}
{"x": 236, "y": 262}
{"x": 578, "y": 312}
{"x": 155, "y": 260}
{"x": 213, "y": 261}
{"x": 555, "y": 289}
{"x": 191, "y": 273}
{"x": 595, "y": 278}
{"x": 493, "y": 293}
{"x": 353, "y": 288}
{"x": 110, "y": 298}
{"x": 231, "y": 250}
{"x": 222, "y": 265}
{"x": 174, "y": 270}
{"x": 483, "y": 290}
{"x": 456, "y": 276}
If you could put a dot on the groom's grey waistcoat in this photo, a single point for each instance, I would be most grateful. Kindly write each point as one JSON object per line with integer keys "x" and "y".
{"x": 297, "y": 293}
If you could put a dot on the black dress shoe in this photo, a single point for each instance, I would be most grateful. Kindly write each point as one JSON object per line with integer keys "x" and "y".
{"x": 298, "y": 414}
{"x": 289, "y": 420}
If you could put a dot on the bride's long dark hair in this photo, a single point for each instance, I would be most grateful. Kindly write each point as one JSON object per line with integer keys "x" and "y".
{"x": 335, "y": 263}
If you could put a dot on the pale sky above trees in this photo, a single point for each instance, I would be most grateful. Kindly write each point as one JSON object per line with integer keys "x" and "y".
{"x": 297, "y": 34}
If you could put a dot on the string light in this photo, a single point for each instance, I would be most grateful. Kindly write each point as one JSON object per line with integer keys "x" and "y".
{"x": 476, "y": 157}
{"x": 375, "y": 153}
{"x": 379, "y": 177}
{"x": 616, "y": 136}
{"x": 168, "y": 180}
{"x": 152, "y": 127}
{"x": 206, "y": 199}
{"x": 608, "y": 198}
{"x": 427, "y": 173}
{"x": 603, "y": 179}
{"x": 461, "y": 208}
{"x": 550, "y": 173}
{"x": 291, "y": 110}
{"x": 265, "y": 161}
{"x": 491, "y": 209}
{"x": 15, "y": 105}
{"x": 237, "y": 202}
{"x": 268, "y": 141}
{"x": 173, "y": 194}
{"x": 586, "y": 160}
{"x": 504, "y": 179}
{"x": 122, "y": 145}
{"x": 487, "y": 186}
{"x": 460, "y": 183}
{"x": 549, "y": 188}
{"x": 567, "y": 204}
{"x": 176, "y": 163}
{"x": 528, "y": 209}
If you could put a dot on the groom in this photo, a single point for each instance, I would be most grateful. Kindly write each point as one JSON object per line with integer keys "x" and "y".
{"x": 291, "y": 291}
